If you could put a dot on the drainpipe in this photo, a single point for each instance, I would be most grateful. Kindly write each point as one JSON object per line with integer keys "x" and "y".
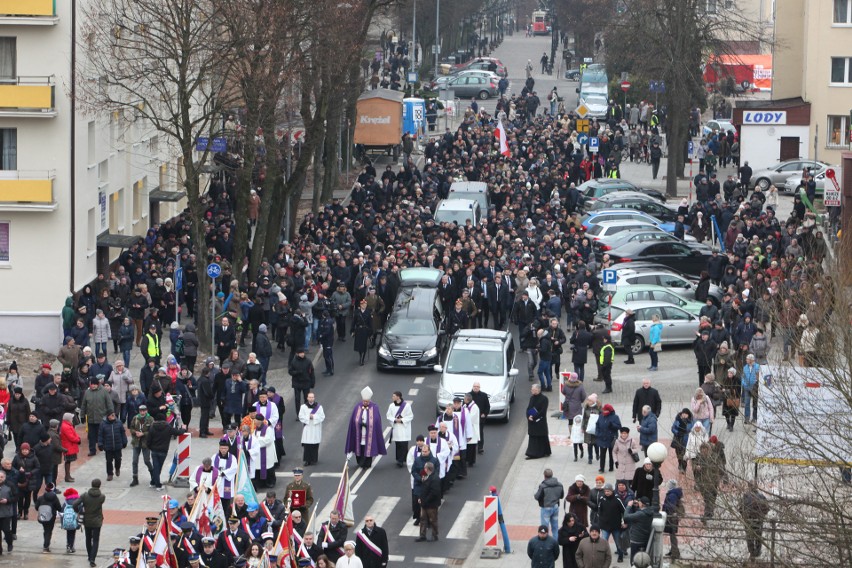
{"x": 73, "y": 171}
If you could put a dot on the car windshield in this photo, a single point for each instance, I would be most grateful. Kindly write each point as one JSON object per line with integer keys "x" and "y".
{"x": 398, "y": 324}
{"x": 595, "y": 100}
{"x": 475, "y": 362}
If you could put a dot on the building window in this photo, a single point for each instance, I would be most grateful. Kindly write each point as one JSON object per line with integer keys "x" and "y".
{"x": 5, "y": 243}
{"x": 712, "y": 6}
{"x": 841, "y": 70}
{"x": 8, "y": 59}
{"x": 838, "y": 132}
{"x": 843, "y": 11}
{"x": 8, "y": 148}
{"x": 91, "y": 234}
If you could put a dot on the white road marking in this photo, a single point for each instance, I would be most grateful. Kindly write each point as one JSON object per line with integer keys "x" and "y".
{"x": 396, "y": 558}
{"x": 419, "y": 380}
{"x": 429, "y": 560}
{"x": 466, "y": 519}
{"x": 413, "y": 392}
{"x": 323, "y": 474}
{"x": 409, "y": 529}
{"x": 381, "y": 509}
{"x": 376, "y": 460}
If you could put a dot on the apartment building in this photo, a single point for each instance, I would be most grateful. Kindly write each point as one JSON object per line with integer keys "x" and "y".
{"x": 74, "y": 188}
{"x": 813, "y": 62}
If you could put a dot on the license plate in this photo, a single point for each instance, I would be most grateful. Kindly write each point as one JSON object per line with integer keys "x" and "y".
{"x": 406, "y": 362}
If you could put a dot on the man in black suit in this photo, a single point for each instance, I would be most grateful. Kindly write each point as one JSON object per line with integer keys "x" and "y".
{"x": 225, "y": 339}
{"x": 524, "y": 311}
{"x": 499, "y": 301}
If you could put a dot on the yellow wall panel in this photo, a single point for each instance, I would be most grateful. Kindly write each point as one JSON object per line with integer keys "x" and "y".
{"x": 27, "y": 7}
{"x": 26, "y": 190}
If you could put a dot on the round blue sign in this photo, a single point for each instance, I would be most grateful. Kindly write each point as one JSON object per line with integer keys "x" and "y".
{"x": 214, "y": 270}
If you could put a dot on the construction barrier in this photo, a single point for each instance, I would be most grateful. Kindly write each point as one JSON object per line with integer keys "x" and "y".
{"x": 182, "y": 473}
{"x": 490, "y": 525}
{"x": 492, "y": 521}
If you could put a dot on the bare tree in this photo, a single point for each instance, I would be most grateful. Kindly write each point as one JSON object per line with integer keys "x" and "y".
{"x": 669, "y": 40}
{"x": 164, "y": 63}
{"x": 799, "y": 453}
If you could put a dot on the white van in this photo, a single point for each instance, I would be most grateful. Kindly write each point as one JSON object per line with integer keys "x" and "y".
{"x": 458, "y": 211}
{"x": 475, "y": 190}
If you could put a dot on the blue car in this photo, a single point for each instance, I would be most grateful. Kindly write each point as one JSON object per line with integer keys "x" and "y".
{"x": 627, "y": 215}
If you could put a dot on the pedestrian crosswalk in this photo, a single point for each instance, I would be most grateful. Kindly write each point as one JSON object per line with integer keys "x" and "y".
{"x": 463, "y": 526}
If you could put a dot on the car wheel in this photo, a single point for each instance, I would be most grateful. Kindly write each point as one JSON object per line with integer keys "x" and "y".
{"x": 505, "y": 419}
{"x": 763, "y": 184}
{"x": 483, "y": 95}
{"x": 638, "y": 345}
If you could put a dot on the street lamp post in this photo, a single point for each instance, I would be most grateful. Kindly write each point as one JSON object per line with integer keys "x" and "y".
{"x": 437, "y": 35}
{"x": 414, "y": 34}
{"x": 657, "y": 453}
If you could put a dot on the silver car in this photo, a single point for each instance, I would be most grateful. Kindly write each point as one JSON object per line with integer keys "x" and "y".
{"x": 677, "y": 283}
{"x": 441, "y": 81}
{"x": 778, "y": 174}
{"x": 679, "y": 327}
{"x": 473, "y": 86}
{"x": 486, "y": 356}
{"x": 793, "y": 184}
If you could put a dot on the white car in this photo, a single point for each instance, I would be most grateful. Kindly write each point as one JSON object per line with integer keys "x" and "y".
{"x": 793, "y": 184}
{"x": 486, "y": 356}
{"x": 458, "y": 211}
{"x": 717, "y": 125}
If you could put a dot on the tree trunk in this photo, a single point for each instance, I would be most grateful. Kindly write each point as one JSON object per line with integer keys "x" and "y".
{"x": 272, "y": 193}
{"x": 244, "y": 184}
{"x": 331, "y": 178}
{"x": 196, "y": 211}
{"x": 676, "y": 141}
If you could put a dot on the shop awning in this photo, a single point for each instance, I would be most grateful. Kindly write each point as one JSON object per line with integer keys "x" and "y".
{"x": 114, "y": 240}
{"x": 163, "y": 195}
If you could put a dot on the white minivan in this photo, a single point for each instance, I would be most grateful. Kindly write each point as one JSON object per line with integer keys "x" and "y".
{"x": 474, "y": 190}
{"x": 486, "y": 356}
{"x": 458, "y": 211}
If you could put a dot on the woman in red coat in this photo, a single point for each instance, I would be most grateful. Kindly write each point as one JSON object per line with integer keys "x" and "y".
{"x": 70, "y": 443}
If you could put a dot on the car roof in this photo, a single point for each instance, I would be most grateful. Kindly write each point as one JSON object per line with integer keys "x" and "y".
{"x": 456, "y": 205}
{"x": 623, "y": 195}
{"x": 624, "y": 212}
{"x": 482, "y": 334}
{"x": 420, "y": 276}
{"x": 645, "y": 304}
{"x": 469, "y": 187}
{"x": 606, "y": 181}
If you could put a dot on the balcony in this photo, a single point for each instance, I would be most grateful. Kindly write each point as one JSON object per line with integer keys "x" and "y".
{"x": 28, "y": 13}
{"x": 27, "y": 97}
{"x": 27, "y": 190}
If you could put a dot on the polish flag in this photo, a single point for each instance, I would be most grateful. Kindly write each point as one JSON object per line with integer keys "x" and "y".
{"x": 504, "y": 140}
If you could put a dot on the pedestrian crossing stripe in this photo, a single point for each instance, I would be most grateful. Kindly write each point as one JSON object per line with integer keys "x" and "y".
{"x": 381, "y": 509}
{"x": 462, "y": 525}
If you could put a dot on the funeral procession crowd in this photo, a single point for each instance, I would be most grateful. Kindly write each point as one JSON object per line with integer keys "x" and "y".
{"x": 527, "y": 265}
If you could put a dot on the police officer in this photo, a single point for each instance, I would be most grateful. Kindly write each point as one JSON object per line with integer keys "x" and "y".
{"x": 211, "y": 557}
{"x": 325, "y": 333}
{"x": 149, "y": 535}
{"x": 134, "y": 550}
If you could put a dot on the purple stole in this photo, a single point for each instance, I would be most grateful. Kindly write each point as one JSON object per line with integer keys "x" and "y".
{"x": 279, "y": 430}
{"x": 368, "y": 426}
{"x": 262, "y": 474}
{"x": 213, "y": 478}
{"x": 399, "y": 410}
{"x": 267, "y": 411}
{"x": 315, "y": 408}
{"x": 369, "y": 543}
{"x": 227, "y": 486}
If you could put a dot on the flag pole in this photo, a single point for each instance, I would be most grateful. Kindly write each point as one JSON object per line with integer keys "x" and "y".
{"x": 195, "y": 503}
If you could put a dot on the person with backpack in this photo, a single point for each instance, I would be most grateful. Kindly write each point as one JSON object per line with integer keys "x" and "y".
{"x": 47, "y": 506}
{"x": 91, "y": 505}
{"x": 70, "y": 520}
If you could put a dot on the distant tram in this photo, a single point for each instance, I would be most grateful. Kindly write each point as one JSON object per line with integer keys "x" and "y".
{"x": 540, "y": 22}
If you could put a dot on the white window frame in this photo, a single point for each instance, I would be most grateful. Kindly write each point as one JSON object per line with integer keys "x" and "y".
{"x": 847, "y": 82}
{"x": 848, "y": 22}
{"x": 712, "y": 6}
{"x": 844, "y": 131}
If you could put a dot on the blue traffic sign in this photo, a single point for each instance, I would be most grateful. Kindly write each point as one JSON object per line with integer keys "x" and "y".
{"x": 610, "y": 276}
{"x": 218, "y": 144}
{"x": 179, "y": 279}
{"x": 690, "y": 149}
{"x": 657, "y": 86}
{"x": 594, "y": 144}
{"x": 214, "y": 270}
{"x": 582, "y": 138}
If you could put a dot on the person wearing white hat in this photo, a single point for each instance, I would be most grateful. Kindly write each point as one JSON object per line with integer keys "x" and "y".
{"x": 365, "y": 438}
{"x": 349, "y": 560}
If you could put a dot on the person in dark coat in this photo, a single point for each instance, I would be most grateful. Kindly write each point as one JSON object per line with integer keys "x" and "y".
{"x": 17, "y": 414}
{"x": 225, "y": 338}
{"x": 646, "y": 395}
{"x": 577, "y": 499}
{"x": 581, "y": 340}
{"x": 112, "y": 438}
{"x": 539, "y": 441}
{"x": 628, "y": 334}
{"x": 362, "y": 330}
{"x": 705, "y": 353}
{"x": 235, "y": 389}
{"x": 643, "y": 480}
{"x": 263, "y": 349}
{"x": 206, "y": 402}
{"x": 303, "y": 376}
{"x": 605, "y": 433}
{"x": 430, "y": 500}
{"x": 31, "y": 430}
{"x": 569, "y": 536}
{"x": 543, "y": 550}
{"x": 378, "y": 538}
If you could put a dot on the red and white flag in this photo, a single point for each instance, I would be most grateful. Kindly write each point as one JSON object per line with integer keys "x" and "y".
{"x": 503, "y": 139}
{"x": 162, "y": 548}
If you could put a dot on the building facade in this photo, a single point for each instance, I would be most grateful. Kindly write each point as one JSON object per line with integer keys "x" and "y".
{"x": 74, "y": 188}
{"x": 813, "y": 61}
